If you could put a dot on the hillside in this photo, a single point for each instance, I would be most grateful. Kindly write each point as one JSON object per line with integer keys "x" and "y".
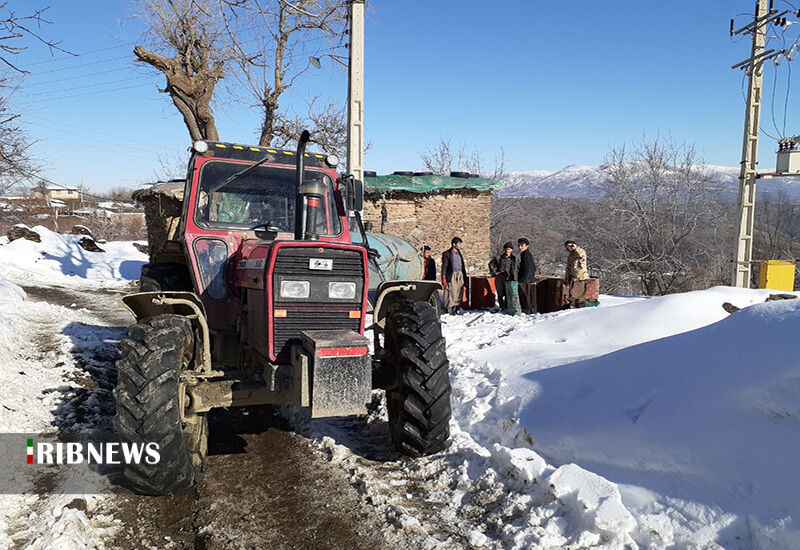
{"x": 583, "y": 182}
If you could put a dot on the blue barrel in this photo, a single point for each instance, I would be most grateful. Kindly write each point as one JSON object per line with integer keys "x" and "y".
{"x": 513, "y": 306}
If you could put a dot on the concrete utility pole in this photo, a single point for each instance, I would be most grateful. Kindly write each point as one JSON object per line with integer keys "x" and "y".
{"x": 743, "y": 252}
{"x": 355, "y": 92}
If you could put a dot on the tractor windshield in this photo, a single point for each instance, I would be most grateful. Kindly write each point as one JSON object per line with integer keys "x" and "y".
{"x": 266, "y": 195}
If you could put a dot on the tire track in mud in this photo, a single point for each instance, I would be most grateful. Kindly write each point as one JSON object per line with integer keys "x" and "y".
{"x": 263, "y": 486}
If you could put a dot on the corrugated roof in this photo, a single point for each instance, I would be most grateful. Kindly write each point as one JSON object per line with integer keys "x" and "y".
{"x": 425, "y": 184}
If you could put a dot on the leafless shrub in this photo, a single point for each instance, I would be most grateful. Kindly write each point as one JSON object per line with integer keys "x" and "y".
{"x": 443, "y": 158}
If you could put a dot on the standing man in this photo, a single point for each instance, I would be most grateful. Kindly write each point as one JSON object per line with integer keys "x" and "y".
{"x": 577, "y": 274}
{"x": 454, "y": 274}
{"x": 504, "y": 268}
{"x": 526, "y": 277}
{"x": 428, "y": 264}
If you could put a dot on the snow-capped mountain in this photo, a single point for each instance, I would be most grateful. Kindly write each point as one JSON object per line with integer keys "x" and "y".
{"x": 584, "y": 182}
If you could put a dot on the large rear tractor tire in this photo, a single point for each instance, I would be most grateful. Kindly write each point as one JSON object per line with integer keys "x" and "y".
{"x": 149, "y": 405}
{"x": 418, "y": 400}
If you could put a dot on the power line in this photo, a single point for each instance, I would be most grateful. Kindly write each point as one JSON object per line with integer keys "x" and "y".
{"x": 91, "y": 52}
{"x": 90, "y": 138}
{"x": 92, "y": 145}
{"x": 92, "y": 85}
{"x": 772, "y": 102}
{"x": 46, "y": 100}
{"x": 109, "y": 60}
{"x": 85, "y": 75}
{"x": 744, "y": 99}
{"x": 90, "y": 131}
{"x": 786, "y": 100}
{"x": 100, "y": 62}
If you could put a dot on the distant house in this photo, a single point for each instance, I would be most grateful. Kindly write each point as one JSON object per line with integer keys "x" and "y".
{"x": 432, "y": 209}
{"x": 58, "y": 193}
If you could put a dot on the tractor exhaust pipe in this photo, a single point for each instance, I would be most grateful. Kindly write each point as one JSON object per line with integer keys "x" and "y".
{"x": 309, "y": 195}
{"x": 299, "y": 202}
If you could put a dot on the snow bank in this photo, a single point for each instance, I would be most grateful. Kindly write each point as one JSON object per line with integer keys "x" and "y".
{"x": 710, "y": 416}
{"x": 59, "y": 260}
{"x": 10, "y": 296}
{"x": 691, "y": 422}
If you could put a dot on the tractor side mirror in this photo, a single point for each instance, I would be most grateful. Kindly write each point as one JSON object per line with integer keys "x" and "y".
{"x": 355, "y": 194}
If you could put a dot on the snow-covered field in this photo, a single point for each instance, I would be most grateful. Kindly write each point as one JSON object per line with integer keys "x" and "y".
{"x": 60, "y": 261}
{"x": 653, "y": 423}
{"x": 689, "y": 413}
{"x": 658, "y": 423}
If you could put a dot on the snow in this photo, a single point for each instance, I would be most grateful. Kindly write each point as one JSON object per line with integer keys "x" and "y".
{"x": 695, "y": 437}
{"x": 59, "y": 260}
{"x": 639, "y": 423}
{"x": 10, "y": 297}
{"x": 657, "y": 422}
{"x": 44, "y": 351}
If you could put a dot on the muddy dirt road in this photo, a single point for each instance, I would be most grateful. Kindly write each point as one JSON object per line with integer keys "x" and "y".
{"x": 263, "y": 486}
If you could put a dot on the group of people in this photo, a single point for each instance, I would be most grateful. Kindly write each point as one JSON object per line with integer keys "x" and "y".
{"x": 506, "y": 268}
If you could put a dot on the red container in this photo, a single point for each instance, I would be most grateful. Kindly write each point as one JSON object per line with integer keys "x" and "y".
{"x": 552, "y": 294}
{"x": 481, "y": 292}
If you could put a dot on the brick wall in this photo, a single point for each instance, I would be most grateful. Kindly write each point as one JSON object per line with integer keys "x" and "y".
{"x": 434, "y": 219}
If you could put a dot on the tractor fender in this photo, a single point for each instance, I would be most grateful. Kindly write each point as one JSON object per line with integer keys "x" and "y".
{"x": 390, "y": 291}
{"x": 187, "y": 304}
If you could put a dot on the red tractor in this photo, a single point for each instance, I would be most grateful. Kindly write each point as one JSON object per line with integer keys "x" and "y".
{"x": 262, "y": 298}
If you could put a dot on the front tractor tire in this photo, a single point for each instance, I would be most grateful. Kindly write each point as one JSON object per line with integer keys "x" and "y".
{"x": 149, "y": 405}
{"x": 418, "y": 399}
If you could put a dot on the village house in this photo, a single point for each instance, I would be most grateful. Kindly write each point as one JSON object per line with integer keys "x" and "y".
{"x": 430, "y": 209}
{"x": 59, "y": 193}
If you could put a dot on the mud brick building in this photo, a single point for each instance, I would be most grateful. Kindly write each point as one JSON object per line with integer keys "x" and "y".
{"x": 431, "y": 210}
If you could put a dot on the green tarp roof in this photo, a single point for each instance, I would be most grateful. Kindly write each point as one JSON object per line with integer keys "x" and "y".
{"x": 424, "y": 184}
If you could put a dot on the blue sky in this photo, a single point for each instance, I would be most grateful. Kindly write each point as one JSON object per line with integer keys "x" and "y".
{"x": 553, "y": 83}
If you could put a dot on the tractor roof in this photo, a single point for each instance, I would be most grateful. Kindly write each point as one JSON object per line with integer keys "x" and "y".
{"x": 254, "y": 153}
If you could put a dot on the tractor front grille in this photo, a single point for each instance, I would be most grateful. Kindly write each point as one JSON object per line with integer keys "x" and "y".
{"x": 317, "y": 314}
{"x": 294, "y": 261}
{"x": 286, "y": 330}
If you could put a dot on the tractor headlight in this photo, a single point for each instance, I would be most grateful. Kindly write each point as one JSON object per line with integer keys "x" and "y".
{"x": 342, "y": 291}
{"x": 295, "y": 289}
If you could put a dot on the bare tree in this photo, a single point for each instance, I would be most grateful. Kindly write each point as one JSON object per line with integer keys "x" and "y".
{"x": 499, "y": 173}
{"x": 21, "y": 27}
{"x": 778, "y": 229}
{"x": 444, "y": 158}
{"x": 656, "y": 198}
{"x": 438, "y": 158}
{"x": 185, "y": 37}
{"x": 171, "y": 165}
{"x": 272, "y": 57}
{"x": 17, "y": 166}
